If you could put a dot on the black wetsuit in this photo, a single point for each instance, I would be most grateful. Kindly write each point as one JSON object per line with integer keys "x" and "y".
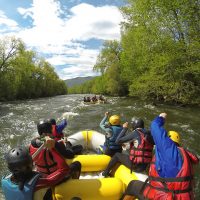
{"x": 77, "y": 149}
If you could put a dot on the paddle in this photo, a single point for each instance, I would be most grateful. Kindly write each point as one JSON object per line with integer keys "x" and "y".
{"x": 38, "y": 151}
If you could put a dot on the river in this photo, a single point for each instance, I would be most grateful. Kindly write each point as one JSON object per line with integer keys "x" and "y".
{"x": 18, "y": 120}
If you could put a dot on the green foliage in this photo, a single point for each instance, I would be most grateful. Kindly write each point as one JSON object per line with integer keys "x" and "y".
{"x": 108, "y": 63}
{"x": 158, "y": 56}
{"x": 161, "y": 50}
{"x": 23, "y": 75}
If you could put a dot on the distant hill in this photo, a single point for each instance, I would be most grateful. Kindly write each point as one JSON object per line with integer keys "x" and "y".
{"x": 78, "y": 80}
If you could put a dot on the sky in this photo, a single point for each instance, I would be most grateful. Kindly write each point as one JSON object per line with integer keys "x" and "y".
{"x": 68, "y": 33}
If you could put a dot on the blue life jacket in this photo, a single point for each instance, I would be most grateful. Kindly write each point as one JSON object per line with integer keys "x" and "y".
{"x": 110, "y": 141}
{"x": 12, "y": 191}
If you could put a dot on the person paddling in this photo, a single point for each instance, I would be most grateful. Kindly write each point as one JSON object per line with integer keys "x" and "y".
{"x": 45, "y": 161}
{"x": 171, "y": 174}
{"x": 57, "y": 129}
{"x": 25, "y": 184}
{"x": 58, "y": 135}
{"x": 112, "y": 130}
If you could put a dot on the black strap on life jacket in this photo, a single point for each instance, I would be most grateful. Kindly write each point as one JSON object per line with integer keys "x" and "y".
{"x": 172, "y": 191}
{"x": 135, "y": 156}
{"x": 140, "y": 149}
{"x": 47, "y": 166}
{"x": 132, "y": 165}
{"x": 175, "y": 179}
{"x": 141, "y": 156}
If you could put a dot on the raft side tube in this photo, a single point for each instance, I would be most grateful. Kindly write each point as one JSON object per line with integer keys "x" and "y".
{"x": 91, "y": 163}
{"x": 90, "y": 189}
{"x": 123, "y": 173}
{"x": 89, "y": 139}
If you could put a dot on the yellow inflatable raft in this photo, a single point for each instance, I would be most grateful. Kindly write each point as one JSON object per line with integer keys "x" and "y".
{"x": 94, "y": 188}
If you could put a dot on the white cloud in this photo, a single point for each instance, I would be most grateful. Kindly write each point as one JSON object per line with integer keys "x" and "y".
{"x": 25, "y": 12}
{"x": 80, "y": 70}
{"x": 60, "y": 32}
{"x": 81, "y": 63}
{"x": 78, "y": 56}
{"x": 86, "y": 22}
{"x": 89, "y": 22}
{"x": 47, "y": 24}
{"x": 7, "y": 24}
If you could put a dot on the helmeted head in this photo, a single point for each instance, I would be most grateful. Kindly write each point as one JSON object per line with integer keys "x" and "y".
{"x": 53, "y": 121}
{"x": 19, "y": 161}
{"x": 114, "y": 120}
{"x": 137, "y": 123}
{"x": 44, "y": 127}
{"x": 174, "y": 136}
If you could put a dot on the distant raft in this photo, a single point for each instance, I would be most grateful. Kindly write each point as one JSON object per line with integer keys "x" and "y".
{"x": 97, "y": 188}
{"x": 95, "y": 102}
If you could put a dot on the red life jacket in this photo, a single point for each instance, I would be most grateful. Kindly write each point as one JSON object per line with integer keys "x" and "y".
{"x": 142, "y": 153}
{"x": 179, "y": 187}
{"x": 57, "y": 136}
{"x": 44, "y": 161}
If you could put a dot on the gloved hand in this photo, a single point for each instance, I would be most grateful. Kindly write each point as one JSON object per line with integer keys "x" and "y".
{"x": 106, "y": 114}
{"x": 108, "y": 134}
{"x": 164, "y": 115}
{"x": 125, "y": 125}
{"x": 49, "y": 142}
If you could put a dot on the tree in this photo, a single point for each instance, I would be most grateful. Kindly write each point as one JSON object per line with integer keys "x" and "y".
{"x": 23, "y": 75}
{"x": 160, "y": 42}
{"x": 108, "y": 63}
{"x": 8, "y": 50}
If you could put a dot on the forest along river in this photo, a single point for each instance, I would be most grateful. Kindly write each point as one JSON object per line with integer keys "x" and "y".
{"x": 18, "y": 120}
